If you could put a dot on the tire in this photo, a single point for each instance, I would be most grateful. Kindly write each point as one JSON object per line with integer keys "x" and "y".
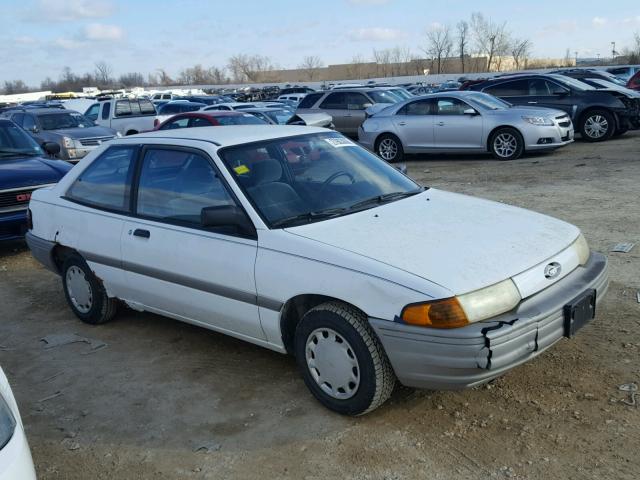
{"x": 336, "y": 328}
{"x": 597, "y": 126}
{"x": 506, "y": 144}
{"x": 389, "y": 148}
{"x": 85, "y": 294}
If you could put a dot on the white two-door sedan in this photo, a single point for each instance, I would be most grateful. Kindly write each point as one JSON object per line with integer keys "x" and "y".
{"x": 299, "y": 240}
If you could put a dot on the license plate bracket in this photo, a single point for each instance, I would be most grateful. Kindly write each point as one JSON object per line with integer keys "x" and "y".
{"x": 580, "y": 311}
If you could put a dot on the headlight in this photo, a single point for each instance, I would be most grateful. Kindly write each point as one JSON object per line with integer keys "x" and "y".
{"x": 464, "y": 309}
{"x": 581, "y": 249}
{"x": 542, "y": 121}
{"x": 7, "y": 423}
{"x": 67, "y": 142}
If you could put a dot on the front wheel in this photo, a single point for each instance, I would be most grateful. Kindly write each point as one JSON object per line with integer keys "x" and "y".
{"x": 506, "y": 144}
{"x": 342, "y": 362}
{"x": 84, "y": 292}
{"x": 597, "y": 126}
{"x": 389, "y": 148}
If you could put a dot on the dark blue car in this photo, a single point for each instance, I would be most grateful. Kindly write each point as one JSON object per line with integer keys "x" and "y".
{"x": 23, "y": 169}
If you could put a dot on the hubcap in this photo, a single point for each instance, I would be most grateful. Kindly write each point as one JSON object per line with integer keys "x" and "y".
{"x": 388, "y": 149}
{"x": 79, "y": 289}
{"x": 596, "y": 126}
{"x": 332, "y": 363}
{"x": 505, "y": 145}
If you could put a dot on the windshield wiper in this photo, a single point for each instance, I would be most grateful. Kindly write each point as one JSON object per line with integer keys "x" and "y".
{"x": 308, "y": 217}
{"x": 387, "y": 197}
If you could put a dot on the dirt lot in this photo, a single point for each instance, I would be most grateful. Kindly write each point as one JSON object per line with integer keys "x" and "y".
{"x": 140, "y": 407}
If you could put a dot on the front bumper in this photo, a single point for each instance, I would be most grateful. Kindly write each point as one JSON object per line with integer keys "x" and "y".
{"x": 13, "y": 225}
{"x": 475, "y": 354}
{"x": 554, "y": 136}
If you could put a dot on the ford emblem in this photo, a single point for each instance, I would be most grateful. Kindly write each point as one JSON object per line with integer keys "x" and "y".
{"x": 552, "y": 270}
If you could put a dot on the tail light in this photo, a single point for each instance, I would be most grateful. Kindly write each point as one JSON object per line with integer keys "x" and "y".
{"x": 29, "y": 219}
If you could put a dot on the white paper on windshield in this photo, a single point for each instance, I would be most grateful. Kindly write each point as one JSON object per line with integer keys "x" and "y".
{"x": 339, "y": 142}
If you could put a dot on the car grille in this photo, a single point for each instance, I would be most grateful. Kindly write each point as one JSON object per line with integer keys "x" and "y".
{"x": 16, "y": 199}
{"x": 93, "y": 142}
{"x": 564, "y": 121}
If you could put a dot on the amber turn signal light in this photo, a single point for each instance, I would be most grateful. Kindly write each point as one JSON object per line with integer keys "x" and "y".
{"x": 445, "y": 313}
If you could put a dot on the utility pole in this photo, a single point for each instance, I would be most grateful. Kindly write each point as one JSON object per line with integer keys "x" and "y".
{"x": 576, "y": 52}
{"x": 613, "y": 50}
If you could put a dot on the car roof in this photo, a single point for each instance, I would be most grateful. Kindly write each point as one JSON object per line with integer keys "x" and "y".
{"x": 223, "y": 137}
{"x": 39, "y": 111}
{"x": 209, "y": 113}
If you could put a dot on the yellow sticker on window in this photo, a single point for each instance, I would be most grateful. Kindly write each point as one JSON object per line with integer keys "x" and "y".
{"x": 241, "y": 169}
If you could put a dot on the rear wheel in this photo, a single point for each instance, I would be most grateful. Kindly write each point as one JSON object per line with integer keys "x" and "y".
{"x": 506, "y": 144}
{"x": 342, "y": 362}
{"x": 84, "y": 292}
{"x": 597, "y": 126}
{"x": 389, "y": 148}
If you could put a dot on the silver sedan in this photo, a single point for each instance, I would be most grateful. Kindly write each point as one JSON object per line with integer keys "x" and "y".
{"x": 461, "y": 122}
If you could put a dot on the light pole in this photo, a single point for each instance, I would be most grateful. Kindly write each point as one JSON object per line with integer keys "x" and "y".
{"x": 613, "y": 50}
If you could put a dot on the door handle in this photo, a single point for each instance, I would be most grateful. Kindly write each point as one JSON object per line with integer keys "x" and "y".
{"x": 440, "y": 124}
{"x": 139, "y": 232}
{"x": 402, "y": 123}
{"x": 532, "y": 102}
{"x": 348, "y": 115}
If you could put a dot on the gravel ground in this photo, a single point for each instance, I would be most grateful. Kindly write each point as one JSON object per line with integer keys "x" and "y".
{"x": 166, "y": 400}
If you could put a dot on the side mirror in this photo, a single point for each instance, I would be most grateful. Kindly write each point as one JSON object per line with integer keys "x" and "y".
{"x": 51, "y": 148}
{"x": 227, "y": 216}
{"x": 470, "y": 111}
{"x": 34, "y": 129}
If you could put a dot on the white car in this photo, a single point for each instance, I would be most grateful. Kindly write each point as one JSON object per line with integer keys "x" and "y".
{"x": 299, "y": 240}
{"x": 15, "y": 457}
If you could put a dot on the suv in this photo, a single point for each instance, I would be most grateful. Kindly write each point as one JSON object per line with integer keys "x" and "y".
{"x": 346, "y": 106}
{"x": 624, "y": 72}
{"x": 75, "y": 134}
{"x": 126, "y": 115}
{"x": 597, "y": 114}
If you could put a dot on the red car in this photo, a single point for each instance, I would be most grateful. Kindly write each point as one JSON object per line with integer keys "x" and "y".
{"x": 634, "y": 82}
{"x": 209, "y": 118}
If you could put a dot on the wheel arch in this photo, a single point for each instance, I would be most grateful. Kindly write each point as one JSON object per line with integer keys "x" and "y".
{"x": 60, "y": 253}
{"x": 495, "y": 129}
{"x": 295, "y": 308}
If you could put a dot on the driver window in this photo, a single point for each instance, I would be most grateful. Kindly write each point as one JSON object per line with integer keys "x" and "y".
{"x": 451, "y": 106}
{"x": 356, "y": 101}
{"x": 176, "y": 185}
{"x": 422, "y": 107}
{"x": 556, "y": 89}
{"x": 29, "y": 122}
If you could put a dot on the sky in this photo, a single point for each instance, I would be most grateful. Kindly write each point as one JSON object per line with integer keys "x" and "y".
{"x": 39, "y": 38}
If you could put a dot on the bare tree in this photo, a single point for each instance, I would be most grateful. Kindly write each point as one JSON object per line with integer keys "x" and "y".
{"x": 567, "y": 58}
{"x": 250, "y": 68}
{"x": 520, "y": 51}
{"x": 311, "y": 66}
{"x": 12, "y": 87}
{"x": 400, "y": 60}
{"x": 439, "y": 45}
{"x": 355, "y": 69}
{"x": 462, "y": 41}
{"x": 163, "y": 77}
{"x": 492, "y": 39}
{"x": 132, "y": 79}
{"x": 103, "y": 73}
{"x": 383, "y": 62}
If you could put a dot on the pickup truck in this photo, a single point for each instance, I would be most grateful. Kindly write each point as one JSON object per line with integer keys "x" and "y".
{"x": 127, "y": 116}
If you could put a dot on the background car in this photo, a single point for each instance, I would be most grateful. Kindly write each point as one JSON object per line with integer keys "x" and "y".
{"x": 624, "y": 72}
{"x": 459, "y": 122}
{"x": 15, "y": 458}
{"x": 175, "y": 106}
{"x": 76, "y": 134}
{"x": 274, "y": 116}
{"x": 209, "y": 119}
{"x": 634, "y": 82}
{"x": 125, "y": 115}
{"x": 346, "y": 106}
{"x": 596, "y": 114}
{"x": 23, "y": 169}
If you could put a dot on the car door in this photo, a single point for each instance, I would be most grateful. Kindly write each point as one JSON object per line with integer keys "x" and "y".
{"x": 357, "y": 103}
{"x": 546, "y": 93}
{"x": 453, "y": 128}
{"x": 173, "y": 265}
{"x": 30, "y": 124}
{"x": 513, "y": 91}
{"x": 335, "y": 104}
{"x": 414, "y": 125}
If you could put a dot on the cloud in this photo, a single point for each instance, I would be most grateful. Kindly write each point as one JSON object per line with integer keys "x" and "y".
{"x": 375, "y": 34}
{"x": 68, "y": 43}
{"x": 368, "y": 2}
{"x": 69, "y": 10}
{"x": 101, "y": 32}
{"x": 598, "y": 21}
{"x": 25, "y": 40}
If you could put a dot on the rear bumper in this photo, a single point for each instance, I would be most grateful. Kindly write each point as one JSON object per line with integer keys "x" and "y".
{"x": 13, "y": 225}
{"x": 42, "y": 250}
{"x": 473, "y": 355}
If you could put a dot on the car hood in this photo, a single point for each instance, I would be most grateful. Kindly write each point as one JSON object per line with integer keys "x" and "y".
{"x": 29, "y": 171}
{"x": 459, "y": 242}
{"x": 89, "y": 132}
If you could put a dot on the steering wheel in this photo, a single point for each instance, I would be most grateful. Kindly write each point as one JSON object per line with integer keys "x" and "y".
{"x": 331, "y": 178}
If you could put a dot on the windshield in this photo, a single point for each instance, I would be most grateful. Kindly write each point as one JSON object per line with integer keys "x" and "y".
{"x": 577, "y": 84}
{"x": 310, "y": 177}
{"x": 402, "y": 93}
{"x": 384, "y": 96}
{"x": 58, "y": 121}
{"x": 279, "y": 116}
{"x": 488, "y": 101}
{"x": 14, "y": 141}
{"x": 244, "y": 119}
